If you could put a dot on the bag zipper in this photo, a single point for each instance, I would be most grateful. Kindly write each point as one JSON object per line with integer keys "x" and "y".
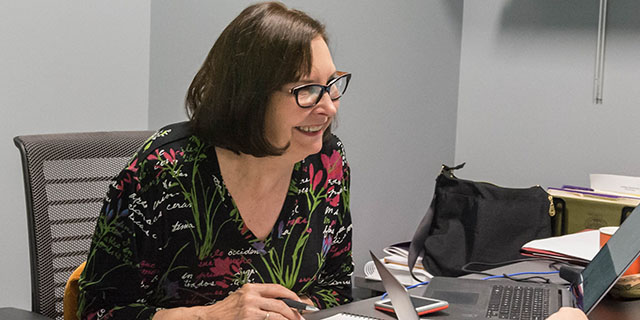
{"x": 448, "y": 171}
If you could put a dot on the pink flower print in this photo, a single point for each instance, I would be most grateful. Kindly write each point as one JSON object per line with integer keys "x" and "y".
{"x": 153, "y": 156}
{"x": 126, "y": 180}
{"x": 315, "y": 180}
{"x": 170, "y": 156}
{"x": 245, "y": 231}
{"x": 341, "y": 251}
{"x": 334, "y": 199}
{"x": 224, "y": 266}
{"x": 132, "y": 167}
{"x": 333, "y": 165}
{"x": 296, "y": 221}
{"x": 120, "y": 187}
{"x": 157, "y": 166}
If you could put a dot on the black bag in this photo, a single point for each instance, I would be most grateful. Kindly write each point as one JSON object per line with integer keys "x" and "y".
{"x": 471, "y": 221}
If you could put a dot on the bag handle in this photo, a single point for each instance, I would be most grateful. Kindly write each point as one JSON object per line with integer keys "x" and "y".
{"x": 416, "y": 248}
{"x": 448, "y": 171}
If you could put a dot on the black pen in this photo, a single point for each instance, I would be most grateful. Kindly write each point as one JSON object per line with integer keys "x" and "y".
{"x": 298, "y": 305}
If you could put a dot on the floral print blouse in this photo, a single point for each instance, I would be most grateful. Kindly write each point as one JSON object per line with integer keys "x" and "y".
{"x": 170, "y": 235}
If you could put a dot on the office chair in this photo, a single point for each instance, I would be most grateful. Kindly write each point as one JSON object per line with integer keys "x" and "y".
{"x": 66, "y": 178}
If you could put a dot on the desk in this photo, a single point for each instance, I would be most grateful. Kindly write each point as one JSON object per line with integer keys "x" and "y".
{"x": 607, "y": 309}
{"x": 19, "y": 314}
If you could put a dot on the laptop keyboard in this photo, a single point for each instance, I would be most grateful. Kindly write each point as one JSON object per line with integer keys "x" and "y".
{"x": 517, "y": 302}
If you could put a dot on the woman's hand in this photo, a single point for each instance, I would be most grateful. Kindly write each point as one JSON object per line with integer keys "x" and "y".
{"x": 252, "y": 302}
{"x": 566, "y": 313}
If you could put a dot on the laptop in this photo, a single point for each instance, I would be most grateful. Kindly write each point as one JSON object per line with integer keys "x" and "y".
{"x": 402, "y": 305}
{"x": 508, "y": 299}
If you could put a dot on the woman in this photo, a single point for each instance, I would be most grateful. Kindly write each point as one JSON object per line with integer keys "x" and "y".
{"x": 245, "y": 203}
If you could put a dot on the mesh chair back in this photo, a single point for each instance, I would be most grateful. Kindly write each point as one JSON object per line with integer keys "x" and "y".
{"x": 66, "y": 177}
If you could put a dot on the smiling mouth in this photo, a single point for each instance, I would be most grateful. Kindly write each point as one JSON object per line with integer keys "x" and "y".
{"x": 310, "y": 129}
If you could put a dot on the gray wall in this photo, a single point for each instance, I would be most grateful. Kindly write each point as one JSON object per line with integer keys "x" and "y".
{"x": 397, "y": 120}
{"x": 525, "y": 113}
{"x": 64, "y": 66}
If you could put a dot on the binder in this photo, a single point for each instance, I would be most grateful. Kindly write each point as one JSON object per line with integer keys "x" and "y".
{"x": 579, "y": 210}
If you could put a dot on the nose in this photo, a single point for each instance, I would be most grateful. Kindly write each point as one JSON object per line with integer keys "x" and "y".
{"x": 326, "y": 106}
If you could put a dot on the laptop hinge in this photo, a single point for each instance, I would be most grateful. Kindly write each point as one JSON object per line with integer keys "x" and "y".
{"x": 571, "y": 274}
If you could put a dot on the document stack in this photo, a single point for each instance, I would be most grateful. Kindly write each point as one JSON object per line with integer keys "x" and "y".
{"x": 576, "y": 248}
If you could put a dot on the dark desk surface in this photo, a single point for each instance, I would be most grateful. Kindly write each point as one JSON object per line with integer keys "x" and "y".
{"x": 19, "y": 314}
{"x": 608, "y": 309}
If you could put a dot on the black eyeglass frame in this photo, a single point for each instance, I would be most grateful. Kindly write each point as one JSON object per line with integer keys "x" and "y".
{"x": 323, "y": 89}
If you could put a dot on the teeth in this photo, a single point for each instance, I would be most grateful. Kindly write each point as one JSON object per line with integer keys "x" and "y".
{"x": 310, "y": 129}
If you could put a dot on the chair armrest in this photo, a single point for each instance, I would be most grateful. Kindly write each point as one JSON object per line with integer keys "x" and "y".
{"x": 19, "y": 314}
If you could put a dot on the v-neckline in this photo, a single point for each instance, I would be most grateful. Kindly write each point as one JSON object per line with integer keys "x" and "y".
{"x": 242, "y": 227}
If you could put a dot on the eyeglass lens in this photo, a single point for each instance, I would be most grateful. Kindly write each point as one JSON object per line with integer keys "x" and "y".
{"x": 311, "y": 94}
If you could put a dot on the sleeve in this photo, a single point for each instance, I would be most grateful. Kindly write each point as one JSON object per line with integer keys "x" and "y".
{"x": 333, "y": 286}
{"x": 111, "y": 285}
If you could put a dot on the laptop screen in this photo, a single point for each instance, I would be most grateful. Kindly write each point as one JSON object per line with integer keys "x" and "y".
{"x": 611, "y": 261}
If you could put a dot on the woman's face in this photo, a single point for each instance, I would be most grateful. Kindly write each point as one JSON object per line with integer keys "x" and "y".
{"x": 302, "y": 128}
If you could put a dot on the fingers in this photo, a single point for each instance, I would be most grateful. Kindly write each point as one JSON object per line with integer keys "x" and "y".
{"x": 277, "y": 316}
{"x": 566, "y": 313}
{"x": 271, "y": 290}
{"x": 279, "y": 308}
{"x": 260, "y": 300}
{"x": 253, "y": 302}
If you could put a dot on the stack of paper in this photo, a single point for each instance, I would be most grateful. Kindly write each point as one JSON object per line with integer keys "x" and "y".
{"x": 624, "y": 186}
{"x": 578, "y": 248}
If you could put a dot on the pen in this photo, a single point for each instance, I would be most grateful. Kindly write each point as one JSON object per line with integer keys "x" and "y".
{"x": 298, "y": 305}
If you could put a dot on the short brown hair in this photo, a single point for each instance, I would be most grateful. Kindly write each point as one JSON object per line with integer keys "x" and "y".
{"x": 264, "y": 48}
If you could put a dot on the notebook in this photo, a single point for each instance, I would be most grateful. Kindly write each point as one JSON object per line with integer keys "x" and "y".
{"x": 491, "y": 299}
{"x": 348, "y": 316}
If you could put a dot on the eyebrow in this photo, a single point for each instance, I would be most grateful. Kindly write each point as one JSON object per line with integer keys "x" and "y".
{"x": 334, "y": 75}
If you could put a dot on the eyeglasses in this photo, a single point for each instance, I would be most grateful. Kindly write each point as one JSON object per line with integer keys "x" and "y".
{"x": 309, "y": 95}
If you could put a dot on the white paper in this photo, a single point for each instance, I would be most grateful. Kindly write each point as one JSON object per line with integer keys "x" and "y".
{"x": 584, "y": 245}
{"x": 626, "y": 185}
{"x": 346, "y": 316}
